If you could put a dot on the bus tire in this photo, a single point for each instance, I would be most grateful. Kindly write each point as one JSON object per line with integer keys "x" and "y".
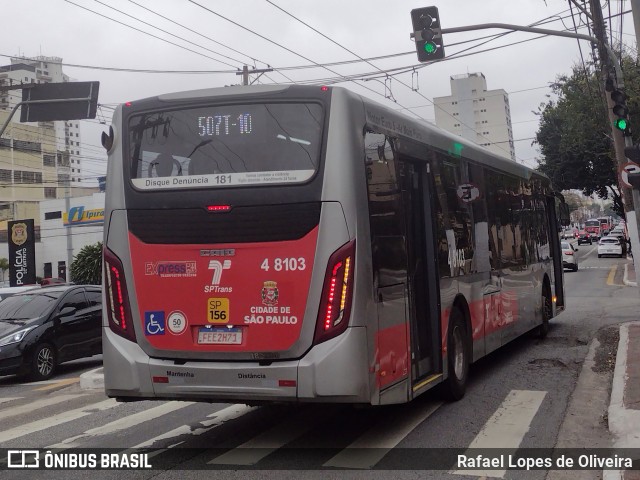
{"x": 457, "y": 357}
{"x": 543, "y": 329}
{"x": 43, "y": 364}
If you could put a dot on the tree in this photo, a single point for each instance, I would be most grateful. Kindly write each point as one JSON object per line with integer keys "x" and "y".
{"x": 573, "y": 200}
{"x": 575, "y": 136}
{"x": 4, "y": 266}
{"x": 86, "y": 267}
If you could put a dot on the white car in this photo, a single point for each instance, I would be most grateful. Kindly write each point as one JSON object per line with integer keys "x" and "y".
{"x": 609, "y": 246}
{"x": 569, "y": 259}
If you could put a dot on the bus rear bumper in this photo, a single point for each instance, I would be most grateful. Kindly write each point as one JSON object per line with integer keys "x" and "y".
{"x": 334, "y": 371}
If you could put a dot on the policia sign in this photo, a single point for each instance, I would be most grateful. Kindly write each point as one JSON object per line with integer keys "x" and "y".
{"x": 22, "y": 253}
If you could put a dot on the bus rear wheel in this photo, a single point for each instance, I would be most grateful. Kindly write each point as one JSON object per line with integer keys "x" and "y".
{"x": 547, "y": 310}
{"x": 457, "y": 357}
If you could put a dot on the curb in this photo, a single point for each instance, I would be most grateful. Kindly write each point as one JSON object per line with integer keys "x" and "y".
{"x": 623, "y": 422}
{"x": 92, "y": 380}
{"x": 625, "y": 277}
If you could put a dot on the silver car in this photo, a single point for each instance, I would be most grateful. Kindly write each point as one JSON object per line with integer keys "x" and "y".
{"x": 610, "y": 246}
{"x": 569, "y": 258}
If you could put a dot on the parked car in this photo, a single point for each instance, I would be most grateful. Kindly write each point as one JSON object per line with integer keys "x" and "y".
{"x": 620, "y": 235}
{"x": 584, "y": 237}
{"x": 6, "y": 292}
{"x": 44, "y": 327}
{"x": 609, "y": 246}
{"x": 569, "y": 259}
{"x": 52, "y": 281}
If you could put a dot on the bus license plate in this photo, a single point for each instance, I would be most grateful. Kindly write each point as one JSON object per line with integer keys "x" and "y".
{"x": 220, "y": 336}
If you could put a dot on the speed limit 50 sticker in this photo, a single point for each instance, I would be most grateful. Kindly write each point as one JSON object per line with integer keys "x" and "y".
{"x": 177, "y": 322}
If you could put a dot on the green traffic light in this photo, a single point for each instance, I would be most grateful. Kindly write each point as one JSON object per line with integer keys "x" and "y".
{"x": 430, "y": 48}
{"x": 621, "y": 124}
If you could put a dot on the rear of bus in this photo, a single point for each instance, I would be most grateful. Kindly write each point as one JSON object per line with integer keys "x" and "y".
{"x": 229, "y": 256}
{"x": 593, "y": 228}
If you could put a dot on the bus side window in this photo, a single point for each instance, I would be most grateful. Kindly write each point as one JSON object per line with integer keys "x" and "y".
{"x": 454, "y": 229}
{"x": 484, "y": 247}
{"x": 385, "y": 211}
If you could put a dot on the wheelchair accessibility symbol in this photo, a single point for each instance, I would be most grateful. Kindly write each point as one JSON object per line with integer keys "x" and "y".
{"x": 154, "y": 323}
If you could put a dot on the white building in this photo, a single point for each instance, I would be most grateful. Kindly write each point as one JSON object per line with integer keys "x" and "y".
{"x": 64, "y": 232}
{"x": 38, "y": 160}
{"x": 477, "y": 114}
{"x": 41, "y": 69}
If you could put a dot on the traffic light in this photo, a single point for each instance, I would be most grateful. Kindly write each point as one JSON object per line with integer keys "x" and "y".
{"x": 427, "y": 33}
{"x": 621, "y": 111}
{"x": 633, "y": 153}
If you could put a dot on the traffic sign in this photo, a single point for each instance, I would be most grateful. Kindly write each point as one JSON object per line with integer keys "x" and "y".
{"x": 46, "y": 102}
{"x": 625, "y": 170}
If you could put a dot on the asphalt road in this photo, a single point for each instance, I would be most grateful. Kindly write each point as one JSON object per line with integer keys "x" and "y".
{"x": 539, "y": 392}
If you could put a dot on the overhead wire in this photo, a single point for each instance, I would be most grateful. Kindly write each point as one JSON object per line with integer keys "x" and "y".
{"x": 386, "y": 72}
{"x": 168, "y": 33}
{"x": 199, "y": 34}
{"x": 150, "y": 34}
{"x": 275, "y": 43}
{"x": 584, "y": 65}
{"x": 289, "y": 68}
{"x": 315, "y": 65}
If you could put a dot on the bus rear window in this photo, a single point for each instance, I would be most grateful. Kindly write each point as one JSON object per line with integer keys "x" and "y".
{"x": 225, "y": 146}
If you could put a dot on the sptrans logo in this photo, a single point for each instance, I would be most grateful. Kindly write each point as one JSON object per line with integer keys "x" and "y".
{"x": 217, "y": 266}
{"x": 170, "y": 269}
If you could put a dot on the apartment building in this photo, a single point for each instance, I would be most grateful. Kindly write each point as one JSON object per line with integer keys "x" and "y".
{"x": 477, "y": 114}
{"x": 65, "y": 136}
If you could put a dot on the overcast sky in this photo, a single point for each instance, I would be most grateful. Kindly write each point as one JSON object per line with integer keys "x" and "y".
{"x": 95, "y": 38}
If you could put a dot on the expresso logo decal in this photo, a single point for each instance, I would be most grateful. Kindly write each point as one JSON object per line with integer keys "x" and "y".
{"x": 167, "y": 269}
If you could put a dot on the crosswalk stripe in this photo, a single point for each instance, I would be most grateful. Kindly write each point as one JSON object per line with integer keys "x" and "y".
{"x": 371, "y": 447}
{"x": 59, "y": 383}
{"x": 41, "y": 382}
{"x": 33, "y": 406}
{"x": 254, "y": 450}
{"x": 218, "y": 418}
{"x": 55, "y": 420}
{"x": 122, "y": 423}
{"x": 8, "y": 399}
{"x": 507, "y": 426}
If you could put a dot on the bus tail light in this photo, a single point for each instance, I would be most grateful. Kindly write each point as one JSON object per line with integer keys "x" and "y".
{"x": 118, "y": 309}
{"x": 335, "y": 303}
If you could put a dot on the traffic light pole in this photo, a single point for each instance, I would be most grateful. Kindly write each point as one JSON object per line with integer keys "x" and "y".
{"x": 619, "y": 140}
{"x": 543, "y": 31}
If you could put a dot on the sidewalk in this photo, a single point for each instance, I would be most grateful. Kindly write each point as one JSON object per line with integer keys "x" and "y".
{"x": 624, "y": 407}
{"x": 630, "y": 274}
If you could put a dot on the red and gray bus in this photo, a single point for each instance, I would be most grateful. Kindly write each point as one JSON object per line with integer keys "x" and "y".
{"x": 306, "y": 244}
{"x": 606, "y": 224}
{"x": 592, "y": 227}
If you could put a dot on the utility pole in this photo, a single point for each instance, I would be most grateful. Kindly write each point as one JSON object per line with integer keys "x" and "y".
{"x": 635, "y": 10}
{"x": 620, "y": 140}
{"x": 245, "y": 73}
